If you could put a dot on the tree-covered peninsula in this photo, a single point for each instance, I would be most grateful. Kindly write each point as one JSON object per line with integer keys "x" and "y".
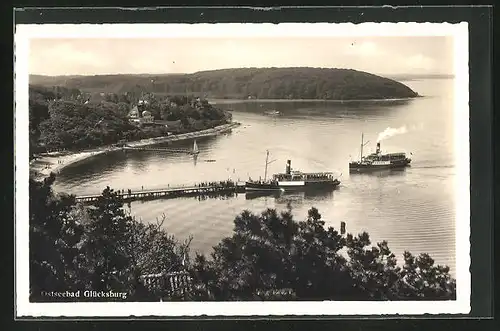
{"x": 67, "y": 118}
{"x": 244, "y": 83}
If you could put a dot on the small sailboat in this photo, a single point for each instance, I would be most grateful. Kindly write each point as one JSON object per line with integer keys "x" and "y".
{"x": 195, "y": 151}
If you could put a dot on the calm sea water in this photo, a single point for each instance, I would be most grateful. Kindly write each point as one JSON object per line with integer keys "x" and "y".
{"x": 413, "y": 210}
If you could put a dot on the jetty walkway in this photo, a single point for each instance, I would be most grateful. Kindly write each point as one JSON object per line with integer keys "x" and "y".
{"x": 223, "y": 187}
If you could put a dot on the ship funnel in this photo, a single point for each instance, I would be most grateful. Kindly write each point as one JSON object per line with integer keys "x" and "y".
{"x": 288, "y": 168}
{"x": 378, "y": 147}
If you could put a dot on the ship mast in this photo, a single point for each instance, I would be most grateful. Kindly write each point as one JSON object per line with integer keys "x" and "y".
{"x": 267, "y": 163}
{"x": 362, "y": 145}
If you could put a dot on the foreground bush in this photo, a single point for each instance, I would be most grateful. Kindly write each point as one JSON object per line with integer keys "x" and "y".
{"x": 97, "y": 248}
{"x": 270, "y": 256}
{"x": 64, "y": 119}
{"x": 273, "y": 254}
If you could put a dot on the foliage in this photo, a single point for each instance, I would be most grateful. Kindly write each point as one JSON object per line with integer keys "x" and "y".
{"x": 74, "y": 125}
{"x": 62, "y": 118}
{"x": 274, "y": 255}
{"x": 39, "y": 99}
{"x": 262, "y": 83}
{"x": 54, "y": 238}
{"x": 269, "y": 257}
{"x": 109, "y": 228}
{"x": 100, "y": 248}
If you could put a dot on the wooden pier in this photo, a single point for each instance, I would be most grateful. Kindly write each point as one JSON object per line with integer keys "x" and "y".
{"x": 172, "y": 192}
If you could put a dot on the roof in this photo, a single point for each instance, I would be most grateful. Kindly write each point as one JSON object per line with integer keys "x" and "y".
{"x": 133, "y": 112}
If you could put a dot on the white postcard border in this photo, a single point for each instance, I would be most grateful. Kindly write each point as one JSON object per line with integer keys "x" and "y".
{"x": 26, "y": 32}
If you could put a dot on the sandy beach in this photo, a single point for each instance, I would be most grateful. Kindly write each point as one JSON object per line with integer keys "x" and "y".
{"x": 54, "y": 162}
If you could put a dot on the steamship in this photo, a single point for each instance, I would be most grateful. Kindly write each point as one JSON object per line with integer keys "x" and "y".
{"x": 378, "y": 161}
{"x": 291, "y": 179}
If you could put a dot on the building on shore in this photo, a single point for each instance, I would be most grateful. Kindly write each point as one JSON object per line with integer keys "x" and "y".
{"x": 146, "y": 118}
{"x": 135, "y": 116}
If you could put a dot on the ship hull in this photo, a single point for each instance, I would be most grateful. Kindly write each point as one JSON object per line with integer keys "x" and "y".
{"x": 250, "y": 186}
{"x": 361, "y": 167}
{"x": 322, "y": 184}
{"x": 290, "y": 185}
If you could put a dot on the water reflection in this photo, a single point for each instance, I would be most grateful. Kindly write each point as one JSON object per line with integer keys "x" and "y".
{"x": 185, "y": 196}
{"x": 133, "y": 162}
{"x": 188, "y": 143}
{"x": 295, "y": 196}
{"x": 95, "y": 166}
{"x": 323, "y": 108}
{"x": 261, "y": 194}
{"x": 137, "y": 160}
{"x": 380, "y": 173}
{"x": 301, "y": 197}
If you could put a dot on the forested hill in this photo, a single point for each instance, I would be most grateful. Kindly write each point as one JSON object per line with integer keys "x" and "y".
{"x": 260, "y": 83}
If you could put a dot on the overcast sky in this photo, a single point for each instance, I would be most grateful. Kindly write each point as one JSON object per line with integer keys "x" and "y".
{"x": 379, "y": 55}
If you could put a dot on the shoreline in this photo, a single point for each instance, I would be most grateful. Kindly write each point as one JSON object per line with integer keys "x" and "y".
{"x": 229, "y": 101}
{"x": 56, "y": 161}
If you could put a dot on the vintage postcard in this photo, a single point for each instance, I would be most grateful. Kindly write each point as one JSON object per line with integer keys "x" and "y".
{"x": 242, "y": 169}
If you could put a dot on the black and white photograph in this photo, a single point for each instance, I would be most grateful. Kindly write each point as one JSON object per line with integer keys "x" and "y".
{"x": 242, "y": 169}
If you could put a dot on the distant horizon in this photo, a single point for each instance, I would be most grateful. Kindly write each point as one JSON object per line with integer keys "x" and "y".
{"x": 208, "y": 70}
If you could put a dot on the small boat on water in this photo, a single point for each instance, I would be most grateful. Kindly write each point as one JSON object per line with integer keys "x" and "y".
{"x": 378, "y": 160}
{"x": 210, "y": 160}
{"x": 195, "y": 150}
{"x": 272, "y": 113}
{"x": 292, "y": 179}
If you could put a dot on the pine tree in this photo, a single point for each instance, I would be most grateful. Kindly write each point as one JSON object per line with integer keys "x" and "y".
{"x": 107, "y": 236}
{"x": 54, "y": 239}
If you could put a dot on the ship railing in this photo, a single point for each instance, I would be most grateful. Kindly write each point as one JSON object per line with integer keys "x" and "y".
{"x": 320, "y": 174}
